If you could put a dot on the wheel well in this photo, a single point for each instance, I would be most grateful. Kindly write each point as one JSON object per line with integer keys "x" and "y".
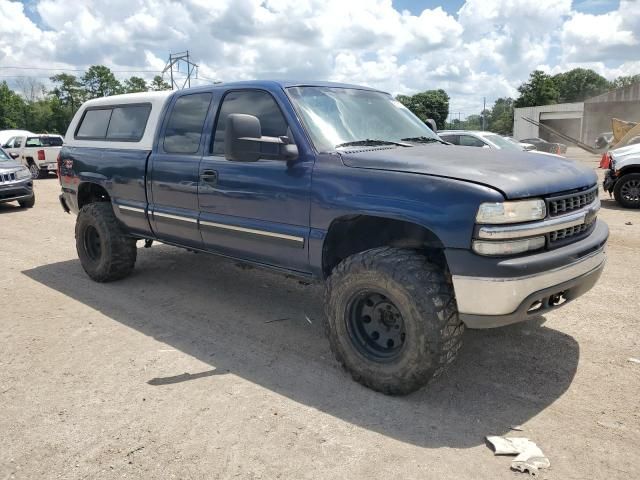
{"x": 30, "y": 160}
{"x": 91, "y": 193}
{"x": 628, "y": 170}
{"x": 357, "y": 233}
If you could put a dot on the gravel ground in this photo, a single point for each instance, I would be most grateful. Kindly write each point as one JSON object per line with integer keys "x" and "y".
{"x": 195, "y": 367}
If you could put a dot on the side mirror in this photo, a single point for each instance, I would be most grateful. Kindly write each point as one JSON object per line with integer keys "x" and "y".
{"x": 431, "y": 123}
{"x": 243, "y": 137}
{"x": 14, "y": 155}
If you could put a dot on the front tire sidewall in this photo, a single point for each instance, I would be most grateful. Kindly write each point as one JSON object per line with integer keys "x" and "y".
{"x": 28, "y": 203}
{"x": 423, "y": 295}
{"x": 411, "y": 357}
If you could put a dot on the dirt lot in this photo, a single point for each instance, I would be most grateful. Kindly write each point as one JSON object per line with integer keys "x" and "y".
{"x": 197, "y": 368}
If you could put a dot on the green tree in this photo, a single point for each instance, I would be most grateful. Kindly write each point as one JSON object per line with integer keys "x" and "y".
{"x": 12, "y": 108}
{"x": 429, "y": 104}
{"x": 539, "y": 90}
{"x": 579, "y": 84}
{"x": 625, "y": 81}
{"x": 135, "y": 84}
{"x": 501, "y": 116}
{"x": 99, "y": 81}
{"x": 158, "y": 84}
{"x": 472, "y": 122}
{"x": 68, "y": 90}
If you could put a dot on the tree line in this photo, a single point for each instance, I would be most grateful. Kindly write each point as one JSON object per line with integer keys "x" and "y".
{"x": 38, "y": 109}
{"x": 575, "y": 85}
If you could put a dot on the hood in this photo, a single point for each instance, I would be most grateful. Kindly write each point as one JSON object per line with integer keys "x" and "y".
{"x": 624, "y": 151}
{"x": 9, "y": 165}
{"x": 515, "y": 174}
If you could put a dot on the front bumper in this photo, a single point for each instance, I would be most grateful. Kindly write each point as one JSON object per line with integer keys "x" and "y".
{"x": 19, "y": 190}
{"x": 489, "y": 301}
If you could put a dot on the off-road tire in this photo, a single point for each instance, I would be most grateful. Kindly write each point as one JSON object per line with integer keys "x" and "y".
{"x": 423, "y": 294}
{"x": 28, "y": 203}
{"x": 110, "y": 256}
{"x": 618, "y": 190}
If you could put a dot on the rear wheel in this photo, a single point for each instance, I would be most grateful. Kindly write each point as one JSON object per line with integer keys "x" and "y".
{"x": 392, "y": 319}
{"x": 105, "y": 251}
{"x": 36, "y": 172}
{"x": 627, "y": 190}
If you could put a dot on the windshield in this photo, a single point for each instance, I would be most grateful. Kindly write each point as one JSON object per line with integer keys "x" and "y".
{"x": 3, "y": 156}
{"x": 335, "y": 116}
{"x": 503, "y": 143}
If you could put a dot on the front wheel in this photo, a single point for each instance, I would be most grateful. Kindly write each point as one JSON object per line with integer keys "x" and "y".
{"x": 392, "y": 319}
{"x": 29, "y": 202}
{"x": 105, "y": 251}
{"x": 627, "y": 190}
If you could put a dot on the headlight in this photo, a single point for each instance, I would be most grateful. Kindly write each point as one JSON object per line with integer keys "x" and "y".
{"x": 509, "y": 247}
{"x": 511, "y": 212}
{"x": 23, "y": 173}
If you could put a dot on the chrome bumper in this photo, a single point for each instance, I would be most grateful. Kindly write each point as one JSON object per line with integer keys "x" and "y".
{"x": 500, "y": 301}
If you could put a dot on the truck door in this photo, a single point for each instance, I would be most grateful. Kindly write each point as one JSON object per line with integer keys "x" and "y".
{"x": 256, "y": 210}
{"x": 173, "y": 171}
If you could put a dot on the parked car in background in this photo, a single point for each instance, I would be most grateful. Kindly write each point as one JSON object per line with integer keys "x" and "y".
{"x": 544, "y": 146}
{"x": 5, "y": 135}
{"x": 527, "y": 147}
{"x": 475, "y": 138}
{"x": 603, "y": 140}
{"x": 16, "y": 184}
{"x": 622, "y": 179}
{"x": 37, "y": 152}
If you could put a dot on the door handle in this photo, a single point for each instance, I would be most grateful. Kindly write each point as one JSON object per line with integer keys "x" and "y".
{"x": 209, "y": 176}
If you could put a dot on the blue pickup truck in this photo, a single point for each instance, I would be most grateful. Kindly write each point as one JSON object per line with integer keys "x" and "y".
{"x": 414, "y": 238}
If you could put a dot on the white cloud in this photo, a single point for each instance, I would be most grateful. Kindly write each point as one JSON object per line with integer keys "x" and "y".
{"x": 486, "y": 49}
{"x": 614, "y": 35}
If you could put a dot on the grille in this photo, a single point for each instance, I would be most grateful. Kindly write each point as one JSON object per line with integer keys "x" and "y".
{"x": 569, "y": 203}
{"x": 567, "y": 233}
{"x": 7, "y": 177}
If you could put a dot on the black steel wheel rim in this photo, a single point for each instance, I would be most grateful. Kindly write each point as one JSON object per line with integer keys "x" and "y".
{"x": 92, "y": 243}
{"x": 376, "y": 326}
{"x": 630, "y": 190}
{"x": 35, "y": 171}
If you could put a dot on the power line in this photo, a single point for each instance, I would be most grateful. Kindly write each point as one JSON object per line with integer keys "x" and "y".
{"x": 75, "y": 70}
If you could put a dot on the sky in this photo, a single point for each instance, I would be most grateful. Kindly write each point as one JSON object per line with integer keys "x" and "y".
{"x": 473, "y": 49}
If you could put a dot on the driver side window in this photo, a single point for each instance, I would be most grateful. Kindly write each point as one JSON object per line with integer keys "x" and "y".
{"x": 251, "y": 102}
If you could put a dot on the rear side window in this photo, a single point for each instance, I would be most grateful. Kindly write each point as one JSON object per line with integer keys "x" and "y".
{"x": 469, "y": 141}
{"x": 125, "y": 123}
{"x": 128, "y": 123}
{"x": 185, "y": 124}
{"x": 94, "y": 124}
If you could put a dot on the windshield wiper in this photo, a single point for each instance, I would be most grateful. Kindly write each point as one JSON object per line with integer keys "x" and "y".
{"x": 371, "y": 142}
{"x": 424, "y": 140}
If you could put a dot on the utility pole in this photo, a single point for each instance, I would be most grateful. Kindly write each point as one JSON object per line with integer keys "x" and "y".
{"x": 484, "y": 108}
{"x": 175, "y": 59}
